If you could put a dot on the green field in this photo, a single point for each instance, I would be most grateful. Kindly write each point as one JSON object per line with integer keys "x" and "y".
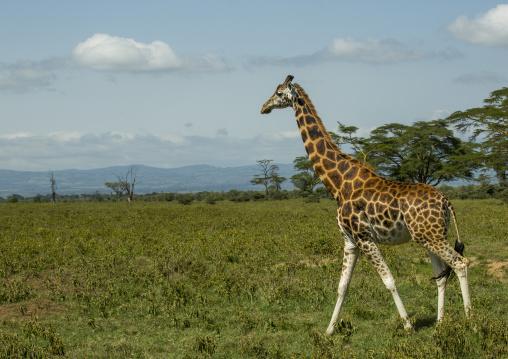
{"x": 233, "y": 280}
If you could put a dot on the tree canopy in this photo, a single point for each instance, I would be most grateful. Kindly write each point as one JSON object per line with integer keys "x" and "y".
{"x": 269, "y": 177}
{"x": 425, "y": 152}
{"x": 306, "y": 178}
{"x": 489, "y": 126}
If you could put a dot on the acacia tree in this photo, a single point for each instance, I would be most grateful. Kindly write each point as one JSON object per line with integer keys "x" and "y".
{"x": 276, "y": 180}
{"x": 425, "y": 152}
{"x": 52, "y": 181}
{"x": 268, "y": 177}
{"x": 124, "y": 184}
{"x": 489, "y": 124}
{"x": 346, "y": 135}
{"x": 306, "y": 178}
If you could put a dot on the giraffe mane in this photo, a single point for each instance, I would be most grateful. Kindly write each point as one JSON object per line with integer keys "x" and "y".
{"x": 325, "y": 133}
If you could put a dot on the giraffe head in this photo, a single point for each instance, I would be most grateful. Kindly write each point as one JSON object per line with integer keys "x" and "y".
{"x": 283, "y": 97}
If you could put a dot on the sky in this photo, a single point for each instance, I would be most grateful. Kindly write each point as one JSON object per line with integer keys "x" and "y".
{"x": 93, "y": 84}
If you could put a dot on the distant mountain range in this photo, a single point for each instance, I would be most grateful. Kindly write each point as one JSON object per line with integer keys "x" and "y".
{"x": 149, "y": 179}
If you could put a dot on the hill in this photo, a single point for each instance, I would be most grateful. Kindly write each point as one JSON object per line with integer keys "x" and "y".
{"x": 149, "y": 179}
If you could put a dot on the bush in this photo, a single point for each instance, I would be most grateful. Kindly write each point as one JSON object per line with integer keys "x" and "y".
{"x": 482, "y": 191}
{"x": 186, "y": 200}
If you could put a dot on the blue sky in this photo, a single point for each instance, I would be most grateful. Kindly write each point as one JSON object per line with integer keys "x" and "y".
{"x": 173, "y": 83}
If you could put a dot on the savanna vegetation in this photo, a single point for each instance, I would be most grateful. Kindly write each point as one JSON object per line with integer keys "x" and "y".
{"x": 233, "y": 279}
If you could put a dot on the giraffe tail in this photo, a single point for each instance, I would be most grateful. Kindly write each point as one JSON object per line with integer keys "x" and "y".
{"x": 459, "y": 246}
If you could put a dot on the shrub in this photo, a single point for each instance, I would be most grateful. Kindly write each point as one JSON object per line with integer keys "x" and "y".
{"x": 186, "y": 200}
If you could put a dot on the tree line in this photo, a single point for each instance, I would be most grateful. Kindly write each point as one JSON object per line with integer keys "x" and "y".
{"x": 426, "y": 151}
{"x": 429, "y": 152}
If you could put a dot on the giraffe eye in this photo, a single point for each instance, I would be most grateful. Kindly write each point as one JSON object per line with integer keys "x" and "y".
{"x": 279, "y": 94}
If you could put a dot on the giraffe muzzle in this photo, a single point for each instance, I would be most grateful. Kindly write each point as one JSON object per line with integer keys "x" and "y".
{"x": 265, "y": 110}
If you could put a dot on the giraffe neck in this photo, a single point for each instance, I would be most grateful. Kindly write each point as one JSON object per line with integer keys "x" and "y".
{"x": 329, "y": 162}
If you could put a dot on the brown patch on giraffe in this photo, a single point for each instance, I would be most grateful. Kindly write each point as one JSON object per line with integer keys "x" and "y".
{"x": 368, "y": 196}
{"x": 314, "y": 132}
{"x": 370, "y": 183}
{"x": 363, "y": 175}
{"x": 358, "y": 183}
{"x": 370, "y": 209}
{"x": 335, "y": 178}
{"x": 320, "y": 147}
{"x": 328, "y": 165}
{"x": 319, "y": 170}
{"x": 347, "y": 189}
{"x": 331, "y": 156}
{"x": 327, "y": 182}
{"x": 314, "y": 159}
{"x": 343, "y": 166}
{"x": 304, "y": 137}
{"x": 310, "y": 147}
{"x": 351, "y": 174}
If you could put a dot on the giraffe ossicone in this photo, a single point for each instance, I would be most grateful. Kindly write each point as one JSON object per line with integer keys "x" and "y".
{"x": 373, "y": 210}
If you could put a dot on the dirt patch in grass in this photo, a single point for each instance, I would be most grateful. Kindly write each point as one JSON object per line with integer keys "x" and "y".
{"x": 497, "y": 269}
{"x": 22, "y": 311}
{"x": 41, "y": 292}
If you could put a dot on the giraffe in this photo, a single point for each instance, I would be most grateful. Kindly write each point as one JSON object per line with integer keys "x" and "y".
{"x": 373, "y": 210}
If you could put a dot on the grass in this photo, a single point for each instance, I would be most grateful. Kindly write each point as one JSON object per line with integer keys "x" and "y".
{"x": 232, "y": 280}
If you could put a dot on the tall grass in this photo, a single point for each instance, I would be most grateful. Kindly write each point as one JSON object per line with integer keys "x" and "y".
{"x": 232, "y": 280}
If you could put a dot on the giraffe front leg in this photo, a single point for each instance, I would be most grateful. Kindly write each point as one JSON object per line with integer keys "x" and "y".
{"x": 373, "y": 253}
{"x": 351, "y": 253}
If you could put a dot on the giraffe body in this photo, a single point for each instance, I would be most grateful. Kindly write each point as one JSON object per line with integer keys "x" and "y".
{"x": 373, "y": 210}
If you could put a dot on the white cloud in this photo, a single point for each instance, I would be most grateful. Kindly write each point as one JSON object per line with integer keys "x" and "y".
{"x": 489, "y": 29}
{"x": 23, "y": 75}
{"x": 370, "y": 51}
{"x": 439, "y": 114}
{"x": 482, "y": 77}
{"x": 104, "y": 52}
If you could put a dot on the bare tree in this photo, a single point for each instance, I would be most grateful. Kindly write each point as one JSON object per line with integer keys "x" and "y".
{"x": 124, "y": 184}
{"x": 264, "y": 177}
{"x": 52, "y": 180}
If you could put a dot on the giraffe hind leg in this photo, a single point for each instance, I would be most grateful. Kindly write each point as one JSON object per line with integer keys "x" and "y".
{"x": 438, "y": 265}
{"x": 453, "y": 258}
{"x": 459, "y": 248}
